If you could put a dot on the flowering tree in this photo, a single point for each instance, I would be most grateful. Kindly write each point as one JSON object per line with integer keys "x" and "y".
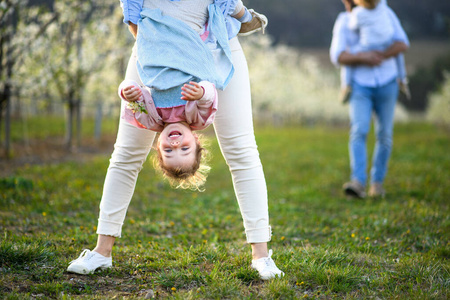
{"x": 12, "y": 51}
{"x": 79, "y": 45}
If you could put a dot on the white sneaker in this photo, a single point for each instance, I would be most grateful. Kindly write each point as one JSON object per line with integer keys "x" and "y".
{"x": 266, "y": 267}
{"x": 88, "y": 262}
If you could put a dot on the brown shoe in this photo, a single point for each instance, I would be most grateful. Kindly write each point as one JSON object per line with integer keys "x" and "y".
{"x": 376, "y": 190}
{"x": 258, "y": 22}
{"x": 354, "y": 189}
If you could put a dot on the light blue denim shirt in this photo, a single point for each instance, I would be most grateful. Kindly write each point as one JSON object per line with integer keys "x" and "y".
{"x": 170, "y": 53}
{"x": 132, "y": 9}
{"x": 344, "y": 39}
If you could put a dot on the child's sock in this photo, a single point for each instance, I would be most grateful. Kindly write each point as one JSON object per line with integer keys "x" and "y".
{"x": 247, "y": 17}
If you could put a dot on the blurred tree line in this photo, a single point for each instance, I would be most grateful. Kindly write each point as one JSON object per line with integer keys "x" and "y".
{"x": 74, "y": 52}
{"x": 58, "y": 52}
{"x": 306, "y": 23}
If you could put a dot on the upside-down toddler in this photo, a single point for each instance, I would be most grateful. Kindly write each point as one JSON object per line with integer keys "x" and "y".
{"x": 179, "y": 149}
{"x": 177, "y": 64}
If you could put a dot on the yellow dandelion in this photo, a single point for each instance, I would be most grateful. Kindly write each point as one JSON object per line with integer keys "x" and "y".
{"x": 44, "y": 213}
{"x": 173, "y": 289}
{"x": 367, "y": 238}
{"x": 95, "y": 228}
{"x": 172, "y": 223}
{"x": 353, "y": 235}
{"x": 282, "y": 238}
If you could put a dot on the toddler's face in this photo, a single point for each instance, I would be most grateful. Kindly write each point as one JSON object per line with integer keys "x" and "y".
{"x": 178, "y": 145}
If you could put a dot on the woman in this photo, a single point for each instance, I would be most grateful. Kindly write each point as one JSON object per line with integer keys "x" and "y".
{"x": 374, "y": 89}
{"x": 234, "y": 129}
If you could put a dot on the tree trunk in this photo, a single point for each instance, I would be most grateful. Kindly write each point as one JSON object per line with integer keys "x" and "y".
{"x": 6, "y": 107}
{"x": 78, "y": 112}
{"x": 69, "y": 126}
{"x": 98, "y": 121}
{"x": 8, "y": 128}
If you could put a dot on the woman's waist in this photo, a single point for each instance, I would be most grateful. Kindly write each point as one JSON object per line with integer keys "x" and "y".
{"x": 378, "y": 75}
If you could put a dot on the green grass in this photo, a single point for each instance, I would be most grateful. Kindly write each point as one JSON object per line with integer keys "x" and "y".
{"x": 49, "y": 126}
{"x": 186, "y": 245}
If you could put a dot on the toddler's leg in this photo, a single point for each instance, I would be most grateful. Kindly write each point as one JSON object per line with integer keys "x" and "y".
{"x": 346, "y": 81}
{"x": 402, "y": 76}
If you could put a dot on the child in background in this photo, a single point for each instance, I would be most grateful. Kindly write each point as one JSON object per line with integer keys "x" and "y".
{"x": 370, "y": 18}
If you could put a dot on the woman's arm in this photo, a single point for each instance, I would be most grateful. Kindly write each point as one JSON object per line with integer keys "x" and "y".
{"x": 370, "y": 58}
{"x": 131, "y": 13}
{"x": 401, "y": 41}
{"x": 395, "y": 49}
{"x": 133, "y": 29}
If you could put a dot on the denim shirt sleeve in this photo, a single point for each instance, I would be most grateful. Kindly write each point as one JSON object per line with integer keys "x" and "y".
{"x": 131, "y": 10}
{"x": 339, "y": 41}
{"x": 399, "y": 32}
{"x": 228, "y": 8}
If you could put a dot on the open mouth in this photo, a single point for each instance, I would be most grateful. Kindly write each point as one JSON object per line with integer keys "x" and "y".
{"x": 174, "y": 134}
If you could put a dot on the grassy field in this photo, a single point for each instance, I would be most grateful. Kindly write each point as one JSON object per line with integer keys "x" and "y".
{"x": 186, "y": 245}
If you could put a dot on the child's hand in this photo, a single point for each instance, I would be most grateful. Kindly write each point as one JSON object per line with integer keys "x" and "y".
{"x": 192, "y": 91}
{"x": 132, "y": 93}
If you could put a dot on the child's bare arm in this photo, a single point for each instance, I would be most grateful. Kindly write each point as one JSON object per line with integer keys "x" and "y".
{"x": 192, "y": 91}
{"x": 132, "y": 93}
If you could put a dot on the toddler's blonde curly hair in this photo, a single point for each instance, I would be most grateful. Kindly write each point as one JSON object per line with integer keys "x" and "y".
{"x": 191, "y": 177}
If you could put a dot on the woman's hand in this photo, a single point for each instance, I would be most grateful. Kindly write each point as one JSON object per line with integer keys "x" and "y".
{"x": 133, "y": 29}
{"x": 132, "y": 93}
{"x": 192, "y": 91}
{"x": 395, "y": 49}
{"x": 369, "y": 58}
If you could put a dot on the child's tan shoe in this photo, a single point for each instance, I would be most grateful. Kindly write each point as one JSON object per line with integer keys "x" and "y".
{"x": 258, "y": 22}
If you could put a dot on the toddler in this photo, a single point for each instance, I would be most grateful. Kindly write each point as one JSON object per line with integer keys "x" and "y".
{"x": 179, "y": 150}
{"x": 371, "y": 19}
{"x": 192, "y": 60}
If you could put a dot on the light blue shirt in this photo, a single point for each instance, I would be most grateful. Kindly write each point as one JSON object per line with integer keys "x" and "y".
{"x": 345, "y": 39}
{"x": 170, "y": 53}
{"x": 132, "y": 9}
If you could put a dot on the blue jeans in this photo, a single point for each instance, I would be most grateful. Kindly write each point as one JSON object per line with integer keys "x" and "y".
{"x": 381, "y": 100}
